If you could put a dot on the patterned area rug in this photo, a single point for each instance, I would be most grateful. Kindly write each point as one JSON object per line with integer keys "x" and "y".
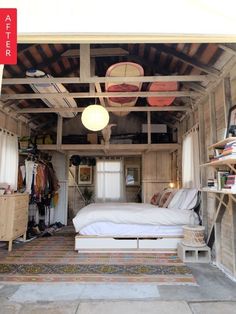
{"x": 53, "y": 259}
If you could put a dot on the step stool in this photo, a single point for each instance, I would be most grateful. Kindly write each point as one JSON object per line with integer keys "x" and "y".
{"x": 190, "y": 254}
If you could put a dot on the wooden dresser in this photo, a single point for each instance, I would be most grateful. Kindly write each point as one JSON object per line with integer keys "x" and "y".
{"x": 13, "y": 217}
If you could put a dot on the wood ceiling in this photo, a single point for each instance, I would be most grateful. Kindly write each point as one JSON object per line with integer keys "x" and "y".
{"x": 202, "y": 63}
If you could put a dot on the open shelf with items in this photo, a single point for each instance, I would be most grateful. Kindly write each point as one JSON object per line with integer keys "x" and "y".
{"x": 224, "y": 190}
{"x": 222, "y": 142}
{"x": 220, "y": 162}
{"x": 209, "y": 190}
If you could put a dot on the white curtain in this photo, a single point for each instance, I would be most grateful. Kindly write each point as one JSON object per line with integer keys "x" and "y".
{"x": 110, "y": 181}
{"x": 190, "y": 160}
{"x": 8, "y": 159}
{"x": 1, "y": 74}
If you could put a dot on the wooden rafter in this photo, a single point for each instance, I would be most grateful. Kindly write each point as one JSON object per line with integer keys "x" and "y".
{"x": 195, "y": 87}
{"x": 187, "y": 59}
{"x": 97, "y": 52}
{"x": 97, "y": 95}
{"x": 95, "y": 79}
{"x": 230, "y": 48}
{"x": 110, "y": 109}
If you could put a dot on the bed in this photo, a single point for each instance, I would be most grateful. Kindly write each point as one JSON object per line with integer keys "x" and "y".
{"x": 135, "y": 226}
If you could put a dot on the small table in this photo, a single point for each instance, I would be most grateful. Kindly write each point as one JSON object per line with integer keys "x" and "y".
{"x": 190, "y": 254}
{"x": 193, "y": 248}
{"x": 194, "y": 236}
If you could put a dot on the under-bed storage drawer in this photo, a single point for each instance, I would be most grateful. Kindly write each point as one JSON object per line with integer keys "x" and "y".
{"x": 103, "y": 243}
{"x": 159, "y": 243}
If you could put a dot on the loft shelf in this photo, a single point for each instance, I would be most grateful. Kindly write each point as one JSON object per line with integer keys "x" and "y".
{"x": 222, "y": 142}
{"x": 114, "y": 149}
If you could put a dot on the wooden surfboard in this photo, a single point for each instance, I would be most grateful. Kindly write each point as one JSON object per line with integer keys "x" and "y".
{"x": 123, "y": 69}
{"x": 161, "y": 87}
{"x": 68, "y": 102}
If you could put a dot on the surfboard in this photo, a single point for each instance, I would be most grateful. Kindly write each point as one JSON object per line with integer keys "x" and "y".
{"x": 118, "y": 70}
{"x": 68, "y": 102}
{"x": 161, "y": 87}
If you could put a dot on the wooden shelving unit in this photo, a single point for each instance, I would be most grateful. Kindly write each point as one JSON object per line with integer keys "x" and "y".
{"x": 220, "y": 162}
{"x": 225, "y": 201}
{"x": 208, "y": 190}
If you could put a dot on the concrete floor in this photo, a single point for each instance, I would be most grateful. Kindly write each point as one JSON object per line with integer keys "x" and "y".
{"x": 215, "y": 293}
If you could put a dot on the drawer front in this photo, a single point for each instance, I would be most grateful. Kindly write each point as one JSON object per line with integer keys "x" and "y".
{"x": 19, "y": 228}
{"x": 21, "y": 202}
{"x": 83, "y": 243}
{"x": 20, "y": 215}
{"x": 21, "y": 210}
{"x": 162, "y": 243}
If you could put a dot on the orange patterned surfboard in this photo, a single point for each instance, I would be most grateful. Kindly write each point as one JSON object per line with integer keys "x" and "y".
{"x": 118, "y": 70}
{"x": 162, "y": 87}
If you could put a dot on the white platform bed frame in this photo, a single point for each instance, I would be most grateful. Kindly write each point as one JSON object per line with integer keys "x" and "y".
{"x": 135, "y": 243}
{"x": 126, "y": 243}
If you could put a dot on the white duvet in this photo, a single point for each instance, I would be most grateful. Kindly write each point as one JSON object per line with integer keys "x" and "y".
{"x": 132, "y": 213}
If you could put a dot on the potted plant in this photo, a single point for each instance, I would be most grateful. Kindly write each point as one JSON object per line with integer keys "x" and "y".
{"x": 88, "y": 195}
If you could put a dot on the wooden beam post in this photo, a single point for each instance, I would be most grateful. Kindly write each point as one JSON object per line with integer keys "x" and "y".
{"x": 84, "y": 61}
{"x": 227, "y": 98}
{"x": 149, "y": 127}
{"x": 212, "y": 117}
{"x": 179, "y": 156}
{"x": 59, "y": 129}
{"x": 233, "y": 209}
{"x": 202, "y": 148}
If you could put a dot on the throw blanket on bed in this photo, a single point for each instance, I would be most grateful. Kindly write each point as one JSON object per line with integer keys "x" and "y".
{"x": 131, "y": 213}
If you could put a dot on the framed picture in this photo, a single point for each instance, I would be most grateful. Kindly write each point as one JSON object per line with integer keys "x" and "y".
{"x": 85, "y": 175}
{"x": 231, "y": 127}
{"x": 132, "y": 175}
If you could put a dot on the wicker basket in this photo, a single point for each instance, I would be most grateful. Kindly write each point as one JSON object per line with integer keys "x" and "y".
{"x": 194, "y": 236}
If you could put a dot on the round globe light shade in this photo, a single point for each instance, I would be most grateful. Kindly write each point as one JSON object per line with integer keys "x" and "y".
{"x": 95, "y": 117}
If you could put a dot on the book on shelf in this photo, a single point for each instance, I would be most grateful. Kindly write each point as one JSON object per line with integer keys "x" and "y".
{"x": 218, "y": 151}
{"x": 225, "y": 157}
{"x": 231, "y": 189}
{"x": 230, "y": 144}
{"x": 221, "y": 179}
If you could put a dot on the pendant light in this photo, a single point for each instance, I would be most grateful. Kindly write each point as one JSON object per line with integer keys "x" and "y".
{"x": 95, "y": 117}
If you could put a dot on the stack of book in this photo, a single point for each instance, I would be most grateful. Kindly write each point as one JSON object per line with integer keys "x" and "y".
{"x": 221, "y": 179}
{"x": 230, "y": 183}
{"x": 229, "y": 151}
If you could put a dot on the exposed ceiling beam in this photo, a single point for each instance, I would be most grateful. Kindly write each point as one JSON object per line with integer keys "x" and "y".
{"x": 97, "y": 52}
{"x": 85, "y": 61}
{"x": 97, "y": 95}
{"x": 95, "y": 79}
{"x": 230, "y": 48}
{"x": 101, "y": 99}
{"x": 187, "y": 59}
{"x": 110, "y": 109}
{"x": 195, "y": 87}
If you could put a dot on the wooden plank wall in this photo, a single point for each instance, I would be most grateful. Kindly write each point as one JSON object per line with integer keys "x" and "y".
{"x": 156, "y": 173}
{"x": 9, "y": 123}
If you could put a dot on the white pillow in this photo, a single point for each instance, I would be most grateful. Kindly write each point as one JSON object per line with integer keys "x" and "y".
{"x": 176, "y": 200}
{"x": 184, "y": 199}
{"x": 190, "y": 199}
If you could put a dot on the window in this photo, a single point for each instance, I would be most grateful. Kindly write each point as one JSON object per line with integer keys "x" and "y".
{"x": 8, "y": 159}
{"x": 132, "y": 175}
{"x": 190, "y": 160}
{"x": 110, "y": 181}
